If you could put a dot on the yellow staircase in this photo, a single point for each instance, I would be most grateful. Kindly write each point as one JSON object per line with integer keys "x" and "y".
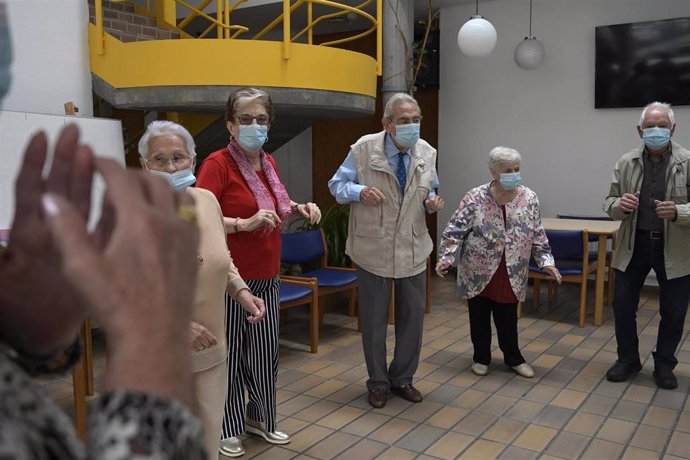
{"x": 162, "y": 68}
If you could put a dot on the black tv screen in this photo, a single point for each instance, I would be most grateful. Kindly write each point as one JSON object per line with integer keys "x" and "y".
{"x": 642, "y": 62}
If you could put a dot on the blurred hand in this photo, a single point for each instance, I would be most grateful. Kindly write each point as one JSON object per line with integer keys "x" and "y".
{"x": 263, "y": 218}
{"x": 630, "y": 201}
{"x": 666, "y": 210}
{"x": 137, "y": 277}
{"x": 252, "y": 305}
{"x": 371, "y": 196}
{"x": 553, "y": 271}
{"x": 41, "y": 313}
{"x": 309, "y": 211}
{"x": 200, "y": 338}
{"x": 435, "y": 203}
{"x": 442, "y": 268}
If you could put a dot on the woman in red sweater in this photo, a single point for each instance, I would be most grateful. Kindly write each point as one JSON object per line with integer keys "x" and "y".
{"x": 255, "y": 204}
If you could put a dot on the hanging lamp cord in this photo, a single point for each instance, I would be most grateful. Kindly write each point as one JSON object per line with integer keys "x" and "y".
{"x": 530, "y": 18}
{"x": 476, "y": 8}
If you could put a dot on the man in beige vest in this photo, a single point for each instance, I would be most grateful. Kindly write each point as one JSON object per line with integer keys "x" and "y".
{"x": 389, "y": 179}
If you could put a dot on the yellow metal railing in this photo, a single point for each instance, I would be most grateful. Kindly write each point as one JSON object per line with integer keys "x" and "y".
{"x": 163, "y": 10}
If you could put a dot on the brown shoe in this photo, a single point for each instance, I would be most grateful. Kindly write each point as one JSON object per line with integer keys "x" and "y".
{"x": 377, "y": 397}
{"x": 408, "y": 392}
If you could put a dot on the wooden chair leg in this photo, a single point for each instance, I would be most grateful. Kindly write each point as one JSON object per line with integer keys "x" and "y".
{"x": 314, "y": 323}
{"x": 79, "y": 390}
{"x": 88, "y": 356}
{"x": 519, "y": 310}
{"x": 353, "y": 302}
{"x": 583, "y": 300}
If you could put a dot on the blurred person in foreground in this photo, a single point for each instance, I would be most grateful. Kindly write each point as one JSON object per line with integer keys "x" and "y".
{"x": 134, "y": 275}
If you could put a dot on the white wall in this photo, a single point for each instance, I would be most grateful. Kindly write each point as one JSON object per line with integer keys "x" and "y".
{"x": 568, "y": 148}
{"x": 294, "y": 166}
{"x": 51, "y": 56}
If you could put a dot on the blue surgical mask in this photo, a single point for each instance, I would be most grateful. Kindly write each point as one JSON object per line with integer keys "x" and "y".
{"x": 407, "y": 135}
{"x": 510, "y": 180}
{"x": 5, "y": 53}
{"x": 252, "y": 137}
{"x": 656, "y": 138}
{"x": 179, "y": 180}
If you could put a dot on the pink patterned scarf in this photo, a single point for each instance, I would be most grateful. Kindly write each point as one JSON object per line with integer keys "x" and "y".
{"x": 262, "y": 195}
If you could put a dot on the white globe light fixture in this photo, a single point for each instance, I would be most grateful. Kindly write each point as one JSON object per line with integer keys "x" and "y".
{"x": 477, "y": 37}
{"x": 529, "y": 54}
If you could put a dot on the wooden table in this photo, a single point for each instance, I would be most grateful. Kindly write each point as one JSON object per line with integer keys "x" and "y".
{"x": 604, "y": 229}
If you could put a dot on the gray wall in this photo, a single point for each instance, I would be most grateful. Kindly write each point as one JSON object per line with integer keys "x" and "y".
{"x": 568, "y": 148}
{"x": 294, "y": 166}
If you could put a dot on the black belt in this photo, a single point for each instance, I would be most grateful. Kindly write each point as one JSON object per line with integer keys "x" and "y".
{"x": 651, "y": 234}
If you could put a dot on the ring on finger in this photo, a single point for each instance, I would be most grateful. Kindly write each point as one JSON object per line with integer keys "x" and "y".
{"x": 187, "y": 212}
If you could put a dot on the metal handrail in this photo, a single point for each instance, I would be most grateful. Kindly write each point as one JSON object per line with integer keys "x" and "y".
{"x": 221, "y": 23}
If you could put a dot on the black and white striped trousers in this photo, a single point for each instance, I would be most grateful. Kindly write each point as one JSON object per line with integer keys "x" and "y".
{"x": 253, "y": 360}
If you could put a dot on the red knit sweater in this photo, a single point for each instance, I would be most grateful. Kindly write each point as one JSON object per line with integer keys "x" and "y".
{"x": 256, "y": 256}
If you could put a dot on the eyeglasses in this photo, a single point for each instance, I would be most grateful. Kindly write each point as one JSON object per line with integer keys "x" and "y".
{"x": 246, "y": 119}
{"x": 161, "y": 161}
{"x": 407, "y": 121}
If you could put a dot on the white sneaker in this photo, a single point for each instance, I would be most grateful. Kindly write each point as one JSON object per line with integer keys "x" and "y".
{"x": 231, "y": 447}
{"x": 524, "y": 370}
{"x": 480, "y": 369}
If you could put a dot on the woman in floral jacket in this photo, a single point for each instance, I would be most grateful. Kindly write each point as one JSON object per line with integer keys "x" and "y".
{"x": 491, "y": 237}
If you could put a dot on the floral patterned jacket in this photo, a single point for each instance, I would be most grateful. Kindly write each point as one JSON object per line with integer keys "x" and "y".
{"x": 476, "y": 237}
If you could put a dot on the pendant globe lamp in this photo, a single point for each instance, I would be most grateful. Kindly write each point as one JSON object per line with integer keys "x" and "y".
{"x": 477, "y": 37}
{"x": 529, "y": 54}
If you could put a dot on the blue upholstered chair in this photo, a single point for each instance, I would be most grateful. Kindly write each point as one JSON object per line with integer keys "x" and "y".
{"x": 308, "y": 246}
{"x": 296, "y": 291}
{"x": 609, "y": 254}
{"x": 571, "y": 251}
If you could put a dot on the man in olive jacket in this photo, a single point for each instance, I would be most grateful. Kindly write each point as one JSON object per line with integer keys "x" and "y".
{"x": 390, "y": 180}
{"x": 649, "y": 194}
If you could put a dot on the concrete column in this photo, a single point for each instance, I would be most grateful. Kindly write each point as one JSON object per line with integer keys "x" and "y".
{"x": 398, "y": 30}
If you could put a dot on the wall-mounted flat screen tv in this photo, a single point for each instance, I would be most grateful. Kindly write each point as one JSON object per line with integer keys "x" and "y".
{"x": 642, "y": 62}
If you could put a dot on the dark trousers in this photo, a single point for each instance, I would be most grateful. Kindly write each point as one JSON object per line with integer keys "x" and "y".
{"x": 374, "y": 300}
{"x": 505, "y": 319}
{"x": 673, "y": 303}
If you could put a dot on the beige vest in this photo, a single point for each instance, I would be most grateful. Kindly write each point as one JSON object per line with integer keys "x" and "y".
{"x": 391, "y": 239}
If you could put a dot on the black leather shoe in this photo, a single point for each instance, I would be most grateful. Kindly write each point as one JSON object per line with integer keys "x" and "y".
{"x": 408, "y": 392}
{"x": 620, "y": 372}
{"x": 377, "y": 397}
{"x": 664, "y": 378}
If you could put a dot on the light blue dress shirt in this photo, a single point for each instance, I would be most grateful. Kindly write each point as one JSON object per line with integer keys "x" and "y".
{"x": 344, "y": 186}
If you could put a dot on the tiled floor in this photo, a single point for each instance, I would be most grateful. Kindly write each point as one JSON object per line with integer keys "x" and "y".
{"x": 567, "y": 411}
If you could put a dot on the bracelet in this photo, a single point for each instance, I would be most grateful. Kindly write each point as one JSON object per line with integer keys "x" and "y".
{"x": 37, "y": 365}
{"x": 235, "y": 224}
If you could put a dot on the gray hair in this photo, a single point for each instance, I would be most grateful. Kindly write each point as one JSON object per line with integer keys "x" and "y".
{"x": 658, "y": 106}
{"x": 503, "y": 155}
{"x": 395, "y": 101}
{"x": 161, "y": 127}
{"x": 244, "y": 96}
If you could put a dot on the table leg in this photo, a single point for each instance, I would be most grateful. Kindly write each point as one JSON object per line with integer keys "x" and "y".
{"x": 599, "y": 281}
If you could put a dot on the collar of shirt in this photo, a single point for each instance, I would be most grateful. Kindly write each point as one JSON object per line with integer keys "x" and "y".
{"x": 392, "y": 151}
{"x": 666, "y": 154}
